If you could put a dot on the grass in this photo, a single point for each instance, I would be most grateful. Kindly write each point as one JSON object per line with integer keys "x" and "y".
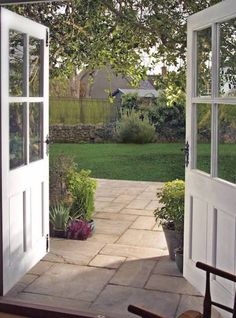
{"x": 149, "y": 162}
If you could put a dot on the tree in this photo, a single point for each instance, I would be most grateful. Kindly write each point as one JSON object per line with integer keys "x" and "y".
{"x": 93, "y": 33}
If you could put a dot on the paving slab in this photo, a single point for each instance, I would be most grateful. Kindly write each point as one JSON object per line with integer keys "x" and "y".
{"x": 143, "y": 238}
{"x": 138, "y": 204}
{"x": 73, "y": 251}
{"x": 125, "y": 198}
{"x": 136, "y": 212}
{"x": 71, "y": 281}
{"x": 113, "y": 207}
{"x": 171, "y": 284}
{"x": 118, "y": 298}
{"x": 144, "y": 223}
{"x": 107, "y": 261}
{"x": 134, "y": 272}
{"x": 115, "y": 216}
{"x": 113, "y": 227}
{"x": 40, "y": 268}
{"x": 165, "y": 266}
{"x": 54, "y": 301}
{"x": 103, "y": 238}
{"x": 131, "y": 251}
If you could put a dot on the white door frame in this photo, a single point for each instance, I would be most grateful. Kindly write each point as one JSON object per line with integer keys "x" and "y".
{"x": 216, "y": 194}
{"x": 22, "y": 180}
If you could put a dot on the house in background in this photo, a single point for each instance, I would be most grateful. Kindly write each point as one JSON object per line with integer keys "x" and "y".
{"x": 100, "y": 84}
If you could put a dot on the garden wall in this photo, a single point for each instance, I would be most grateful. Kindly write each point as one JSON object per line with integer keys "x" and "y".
{"x": 82, "y": 133}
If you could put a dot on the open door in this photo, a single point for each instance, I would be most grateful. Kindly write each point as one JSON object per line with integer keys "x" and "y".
{"x": 210, "y": 215}
{"x": 24, "y": 158}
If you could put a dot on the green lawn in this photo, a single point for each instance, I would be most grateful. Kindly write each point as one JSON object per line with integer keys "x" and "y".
{"x": 149, "y": 162}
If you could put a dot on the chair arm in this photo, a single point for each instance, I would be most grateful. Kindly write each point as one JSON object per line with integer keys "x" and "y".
{"x": 144, "y": 313}
{"x": 216, "y": 271}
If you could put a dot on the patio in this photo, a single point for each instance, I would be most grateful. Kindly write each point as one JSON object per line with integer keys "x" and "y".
{"x": 124, "y": 262}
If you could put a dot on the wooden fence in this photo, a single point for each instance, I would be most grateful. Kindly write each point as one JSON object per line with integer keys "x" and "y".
{"x": 70, "y": 111}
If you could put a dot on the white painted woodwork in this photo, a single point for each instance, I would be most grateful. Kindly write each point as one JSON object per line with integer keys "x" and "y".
{"x": 210, "y": 202}
{"x": 25, "y": 202}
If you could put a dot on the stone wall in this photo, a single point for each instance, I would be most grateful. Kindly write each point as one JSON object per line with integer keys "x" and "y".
{"x": 82, "y": 133}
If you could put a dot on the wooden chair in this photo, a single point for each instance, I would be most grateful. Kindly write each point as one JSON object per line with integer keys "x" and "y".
{"x": 207, "y": 302}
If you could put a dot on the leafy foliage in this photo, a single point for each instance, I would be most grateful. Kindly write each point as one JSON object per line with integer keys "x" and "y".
{"x": 78, "y": 230}
{"x": 172, "y": 211}
{"x": 169, "y": 121}
{"x": 59, "y": 216}
{"x": 93, "y": 33}
{"x": 131, "y": 129}
{"x": 82, "y": 189}
{"x": 60, "y": 167}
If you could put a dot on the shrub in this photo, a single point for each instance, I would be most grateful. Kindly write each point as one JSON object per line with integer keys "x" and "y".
{"x": 169, "y": 121}
{"x": 131, "y": 129}
{"x": 60, "y": 167}
{"x": 172, "y": 211}
{"x": 59, "y": 216}
{"x": 82, "y": 189}
{"x": 78, "y": 230}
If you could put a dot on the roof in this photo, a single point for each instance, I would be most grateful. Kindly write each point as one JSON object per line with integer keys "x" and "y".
{"x": 139, "y": 91}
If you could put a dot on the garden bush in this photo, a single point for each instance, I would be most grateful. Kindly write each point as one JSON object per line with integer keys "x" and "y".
{"x": 132, "y": 129}
{"x": 82, "y": 190}
{"x": 169, "y": 121}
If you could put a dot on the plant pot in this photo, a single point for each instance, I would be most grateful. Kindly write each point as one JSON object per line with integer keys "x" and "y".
{"x": 179, "y": 259}
{"x": 172, "y": 240}
{"x": 92, "y": 225}
{"x": 59, "y": 233}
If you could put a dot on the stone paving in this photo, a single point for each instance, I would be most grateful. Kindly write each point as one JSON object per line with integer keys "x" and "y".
{"x": 124, "y": 262}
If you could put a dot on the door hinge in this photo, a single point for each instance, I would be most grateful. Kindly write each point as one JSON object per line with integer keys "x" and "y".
{"x": 47, "y": 243}
{"x": 186, "y": 153}
{"x": 47, "y": 38}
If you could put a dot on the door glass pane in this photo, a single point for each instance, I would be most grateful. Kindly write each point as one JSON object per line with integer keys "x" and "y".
{"x": 16, "y": 64}
{"x": 203, "y": 137}
{"x": 227, "y": 79}
{"x": 34, "y": 66}
{"x": 204, "y": 63}
{"x": 17, "y": 135}
{"x": 227, "y": 143}
{"x": 35, "y": 133}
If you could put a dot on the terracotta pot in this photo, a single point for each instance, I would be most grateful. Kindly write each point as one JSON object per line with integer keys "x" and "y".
{"x": 172, "y": 240}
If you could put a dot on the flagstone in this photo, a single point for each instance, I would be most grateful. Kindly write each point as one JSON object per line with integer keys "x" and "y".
{"x": 72, "y": 281}
{"x": 107, "y": 261}
{"x": 125, "y": 198}
{"x": 143, "y": 238}
{"x": 113, "y": 227}
{"x": 138, "y": 204}
{"x": 119, "y": 297}
{"x": 115, "y": 216}
{"x": 165, "y": 266}
{"x": 134, "y": 272}
{"x": 131, "y": 251}
{"x": 171, "y": 284}
{"x": 136, "y": 212}
{"x": 144, "y": 223}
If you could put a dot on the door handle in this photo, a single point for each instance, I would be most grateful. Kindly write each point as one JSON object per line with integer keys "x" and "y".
{"x": 186, "y": 153}
{"x": 48, "y": 141}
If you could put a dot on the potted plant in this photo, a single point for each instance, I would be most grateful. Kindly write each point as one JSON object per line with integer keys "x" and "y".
{"x": 171, "y": 214}
{"x": 82, "y": 188}
{"x": 59, "y": 218}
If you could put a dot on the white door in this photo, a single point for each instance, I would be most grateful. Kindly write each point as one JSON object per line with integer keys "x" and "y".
{"x": 210, "y": 215}
{"x": 24, "y": 158}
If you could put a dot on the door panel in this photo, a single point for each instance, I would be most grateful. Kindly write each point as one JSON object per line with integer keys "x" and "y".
{"x": 24, "y": 127}
{"x": 210, "y": 214}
